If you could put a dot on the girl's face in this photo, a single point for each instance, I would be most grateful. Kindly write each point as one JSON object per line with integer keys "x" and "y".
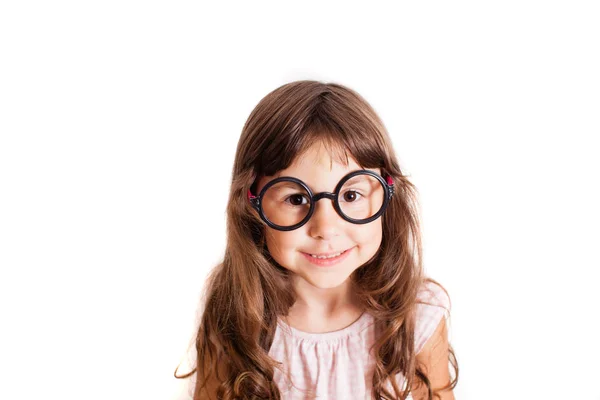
{"x": 326, "y": 232}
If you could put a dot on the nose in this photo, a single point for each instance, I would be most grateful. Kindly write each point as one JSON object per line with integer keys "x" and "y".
{"x": 325, "y": 221}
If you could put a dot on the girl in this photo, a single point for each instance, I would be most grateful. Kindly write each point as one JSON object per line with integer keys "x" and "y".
{"x": 321, "y": 293}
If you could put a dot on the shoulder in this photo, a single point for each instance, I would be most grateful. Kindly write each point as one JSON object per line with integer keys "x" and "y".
{"x": 433, "y": 308}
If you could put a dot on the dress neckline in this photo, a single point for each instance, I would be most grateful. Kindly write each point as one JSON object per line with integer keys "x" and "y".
{"x": 355, "y": 327}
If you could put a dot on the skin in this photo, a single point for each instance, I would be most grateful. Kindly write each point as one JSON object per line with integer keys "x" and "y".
{"x": 324, "y": 301}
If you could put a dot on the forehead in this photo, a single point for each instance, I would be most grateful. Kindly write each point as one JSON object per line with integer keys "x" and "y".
{"x": 324, "y": 158}
{"x": 319, "y": 169}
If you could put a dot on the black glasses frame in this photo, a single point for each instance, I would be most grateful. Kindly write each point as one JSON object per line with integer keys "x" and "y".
{"x": 388, "y": 186}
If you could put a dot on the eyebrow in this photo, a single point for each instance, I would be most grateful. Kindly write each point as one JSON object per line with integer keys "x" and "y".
{"x": 356, "y": 179}
{"x": 290, "y": 185}
{"x": 286, "y": 185}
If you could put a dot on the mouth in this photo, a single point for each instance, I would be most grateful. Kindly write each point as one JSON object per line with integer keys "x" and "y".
{"x": 326, "y": 259}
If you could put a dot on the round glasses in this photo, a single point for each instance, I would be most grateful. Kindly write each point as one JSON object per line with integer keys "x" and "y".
{"x": 287, "y": 203}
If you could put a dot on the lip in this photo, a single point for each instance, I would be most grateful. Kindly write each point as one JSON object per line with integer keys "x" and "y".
{"x": 326, "y": 262}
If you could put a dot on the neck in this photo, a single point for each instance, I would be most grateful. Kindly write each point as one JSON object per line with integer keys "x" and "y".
{"x": 323, "y": 302}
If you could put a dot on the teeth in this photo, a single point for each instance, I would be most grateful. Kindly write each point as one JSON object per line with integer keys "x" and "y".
{"x": 331, "y": 256}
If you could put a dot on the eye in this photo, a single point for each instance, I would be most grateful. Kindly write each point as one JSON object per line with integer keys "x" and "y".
{"x": 351, "y": 196}
{"x": 297, "y": 200}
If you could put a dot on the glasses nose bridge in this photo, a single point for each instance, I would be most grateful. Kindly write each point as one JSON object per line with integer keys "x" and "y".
{"x": 322, "y": 195}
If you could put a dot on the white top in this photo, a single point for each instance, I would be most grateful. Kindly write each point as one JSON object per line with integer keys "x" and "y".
{"x": 338, "y": 365}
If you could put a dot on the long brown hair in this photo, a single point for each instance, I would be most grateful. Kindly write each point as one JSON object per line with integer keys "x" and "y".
{"x": 248, "y": 291}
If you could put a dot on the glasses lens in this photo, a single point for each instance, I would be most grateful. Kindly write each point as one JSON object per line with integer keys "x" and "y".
{"x": 361, "y": 197}
{"x": 286, "y": 203}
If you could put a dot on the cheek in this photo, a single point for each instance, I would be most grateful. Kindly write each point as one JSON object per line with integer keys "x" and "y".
{"x": 282, "y": 245}
{"x": 368, "y": 235}
{"x": 369, "y": 241}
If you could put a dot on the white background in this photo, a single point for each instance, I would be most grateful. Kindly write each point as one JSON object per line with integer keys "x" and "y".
{"x": 119, "y": 121}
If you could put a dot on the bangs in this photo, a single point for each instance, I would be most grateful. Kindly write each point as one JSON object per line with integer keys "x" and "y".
{"x": 341, "y": 138}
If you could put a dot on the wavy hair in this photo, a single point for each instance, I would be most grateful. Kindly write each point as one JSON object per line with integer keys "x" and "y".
{"x": 248, "y": 291}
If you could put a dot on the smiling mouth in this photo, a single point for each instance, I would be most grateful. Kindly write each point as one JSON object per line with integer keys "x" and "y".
{"x": 327, "y": 259}
{"x": 327, "y": 256}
